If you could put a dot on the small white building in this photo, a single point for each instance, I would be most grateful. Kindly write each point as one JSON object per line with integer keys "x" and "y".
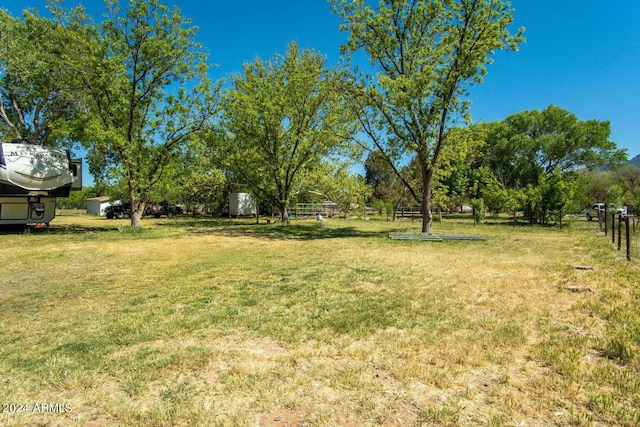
{"x": 97, "y": 205}
{"x": 241, "y": 204}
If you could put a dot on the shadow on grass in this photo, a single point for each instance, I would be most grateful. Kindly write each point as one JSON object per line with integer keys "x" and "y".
{"x": 210, "y": 226}
{"x": 54, "y": 229}
{"x": 294, "y": 231}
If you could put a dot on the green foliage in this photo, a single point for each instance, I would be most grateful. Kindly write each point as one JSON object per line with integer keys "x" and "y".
{"x": 380, "y": 176}
{"x": 36, "y": 90}
{"x": 555, "y": 195}
{"x": 542, "y": 141}
{"x": 614, "y": 195}
{"x": 479, "y": 209}
{"x": 621, "y": 186}
{"x": 461, "y": 175}
{"x": 531, "y": 144}
{"x": 500, "y": 200}
{"x": 202, "y": 188}
{"x": 428, "y": 54}
{"x": 387, "y": 185}
{"x": 132, "y": 72}
{"x": 541, "y": 151}
{"x": 76, "y": 199}
{"x": 332, "y": 181}
{"x": 280, "y": 118}
{"x": 629, "y": 179}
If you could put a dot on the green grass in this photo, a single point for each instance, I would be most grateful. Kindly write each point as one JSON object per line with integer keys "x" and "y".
{"x": 225, "y": 322}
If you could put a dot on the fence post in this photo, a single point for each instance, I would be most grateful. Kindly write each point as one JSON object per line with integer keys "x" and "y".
{"x": 628, "y": 235}
{"x": 613, "y": 229}
{"x": 600, "y": 222}
{"x": 619, "y": 231}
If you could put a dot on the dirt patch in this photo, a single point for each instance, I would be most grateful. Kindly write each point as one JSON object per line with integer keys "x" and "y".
{"x": 283, "y": 419}
{"x": 99, "y": 422}
{"x": 261, "y": 347}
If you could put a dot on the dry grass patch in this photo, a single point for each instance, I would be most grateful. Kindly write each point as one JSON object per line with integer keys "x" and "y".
{"x": 218, "y": 322}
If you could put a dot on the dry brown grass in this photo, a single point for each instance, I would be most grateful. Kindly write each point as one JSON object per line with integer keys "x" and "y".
{"x": 226, "y": 323}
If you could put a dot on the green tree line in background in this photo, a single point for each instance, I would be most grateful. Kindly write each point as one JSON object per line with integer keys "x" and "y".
{"x": 543, "y": 164}
{"x": 133, "y": 92}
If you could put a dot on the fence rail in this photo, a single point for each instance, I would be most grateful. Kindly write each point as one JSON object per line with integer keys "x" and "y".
{"x": 314, "y": 209}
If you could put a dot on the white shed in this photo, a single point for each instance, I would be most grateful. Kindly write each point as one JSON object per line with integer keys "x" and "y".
{"x": 97, "y": 205}
{"x": 241, "y": 204}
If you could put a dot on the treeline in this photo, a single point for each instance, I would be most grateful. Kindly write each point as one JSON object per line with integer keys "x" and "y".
{"x": 133, "y": 91}
{"x": 537, "y": 164}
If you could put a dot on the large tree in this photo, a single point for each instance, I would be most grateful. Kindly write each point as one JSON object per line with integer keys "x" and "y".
{"x": 537, "y": 155}
{"x": 532, "y": 144}
{"x": 426, "y": 54}
{"x": 144, "y": 80}
{"x": 629, "y": 179}
{"x": 280, "y": 117}
{"x": 36, "y": 91}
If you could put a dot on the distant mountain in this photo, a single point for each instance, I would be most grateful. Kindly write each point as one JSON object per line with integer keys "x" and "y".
{"x": 635, "y": 161}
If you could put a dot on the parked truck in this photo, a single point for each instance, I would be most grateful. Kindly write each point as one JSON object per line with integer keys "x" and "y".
{"x": 163, "y": 208}
{"x": 596, "y": 210}
{"x": 31, "y": 178}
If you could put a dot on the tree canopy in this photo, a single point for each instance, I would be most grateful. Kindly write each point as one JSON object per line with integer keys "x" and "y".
{"x": 280, "y": 117}
{"x": 143, "y": 79}
{"x": 387, "y": 185}
{"x": 133, "y": 89}
{"x": 533, "y": 159}
{"x": 425, "y": 54}
{"x": 530, "y": 144}
{"x": 36, "y": 91}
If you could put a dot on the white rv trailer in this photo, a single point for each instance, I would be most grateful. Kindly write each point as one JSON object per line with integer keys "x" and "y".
{"x": 241, "y": 204}
{"x": 31, "y": 178}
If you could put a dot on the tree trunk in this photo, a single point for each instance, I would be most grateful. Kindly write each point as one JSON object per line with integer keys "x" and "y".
{"x": 396, "y": 205}
{"x": 284, "y": 217}
{"x": 136, "y": 217}
{"x": 427, "y": 178}
{"x": 560, "y": 219}
{"x": 137, "y": 209}
{"x": 137, "y": 205}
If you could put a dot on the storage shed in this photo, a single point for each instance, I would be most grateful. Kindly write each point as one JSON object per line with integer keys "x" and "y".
{"x": 97, "y": 205}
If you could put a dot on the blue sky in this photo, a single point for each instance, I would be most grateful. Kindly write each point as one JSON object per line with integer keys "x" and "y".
{"x": 581, "y": 55}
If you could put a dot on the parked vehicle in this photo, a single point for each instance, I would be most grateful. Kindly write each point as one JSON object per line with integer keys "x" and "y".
{"x": 118, "y": 211}
{"x": 163, "y": 208}
{"x": 596, "y": 210}
{"x": 241, "y": 204}
{"x": 31, "y": 178}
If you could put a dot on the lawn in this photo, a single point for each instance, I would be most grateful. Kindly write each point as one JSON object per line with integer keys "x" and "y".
{"x": 227, "y": 323}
